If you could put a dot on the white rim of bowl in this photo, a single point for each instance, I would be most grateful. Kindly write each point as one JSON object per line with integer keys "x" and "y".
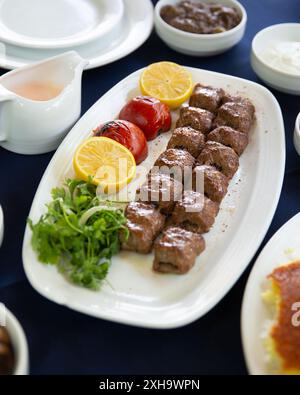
{"x": 298, "y": 124}
{"x": 1, "y": 224}
{"x": 297, "y": 134}
{"x": 19, "y": 344}
{"x": 205, "y": 36}
{"x": 256, "y": 38}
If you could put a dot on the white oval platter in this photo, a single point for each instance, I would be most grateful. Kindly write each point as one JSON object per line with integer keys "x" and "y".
{"x": 135, "y": 294}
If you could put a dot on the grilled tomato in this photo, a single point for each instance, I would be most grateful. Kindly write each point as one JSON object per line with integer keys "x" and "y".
{"x": 127, "y": 134}
{"x": 148, "y": 113}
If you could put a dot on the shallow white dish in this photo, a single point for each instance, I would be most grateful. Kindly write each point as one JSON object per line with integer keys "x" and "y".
{"x": 199, "y": 44}
{"x": 57, "y": 23}
{"x": 19, "y": 343}
{"x": 133, "y": 30}
{"x": 283, "y": 248}
{"x": 1, "y": 226}
{"x": 297, "y": 134}
{"x": 136, "y": 295}
{"x": 283, "y": 81}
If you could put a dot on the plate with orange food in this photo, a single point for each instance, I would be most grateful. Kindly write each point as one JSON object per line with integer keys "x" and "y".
{"x": 105, "y": 239}
{"x": 271, "y": 306}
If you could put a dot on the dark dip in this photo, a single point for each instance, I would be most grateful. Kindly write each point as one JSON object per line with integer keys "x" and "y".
{"x": 201, "y": 18}
{"x": 6, "y": 353}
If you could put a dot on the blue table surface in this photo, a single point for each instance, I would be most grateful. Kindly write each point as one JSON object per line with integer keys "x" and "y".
{"x": 65, "y": 342}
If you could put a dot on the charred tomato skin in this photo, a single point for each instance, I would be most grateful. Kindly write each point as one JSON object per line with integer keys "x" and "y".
{"x": 127, "y": 134}
{"x": 149, "y": 114}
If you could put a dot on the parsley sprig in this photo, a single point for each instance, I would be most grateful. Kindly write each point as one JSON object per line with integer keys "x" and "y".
{"x": 79, "y": 233}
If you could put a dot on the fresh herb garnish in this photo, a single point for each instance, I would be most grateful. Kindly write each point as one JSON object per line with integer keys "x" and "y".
{"x": 79, "y": 233}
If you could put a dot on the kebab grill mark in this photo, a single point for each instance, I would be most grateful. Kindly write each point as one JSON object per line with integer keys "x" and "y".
{"x": 210, "y": 135}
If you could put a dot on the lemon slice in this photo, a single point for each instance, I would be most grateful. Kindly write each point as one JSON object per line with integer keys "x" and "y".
{"x": 111, "y": 165}
{"x": 170, "y": 83}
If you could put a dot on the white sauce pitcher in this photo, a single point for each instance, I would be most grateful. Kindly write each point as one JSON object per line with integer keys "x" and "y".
{"x": 30, "y": 126}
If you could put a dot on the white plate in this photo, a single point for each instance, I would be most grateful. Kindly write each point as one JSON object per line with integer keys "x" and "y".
{"x": 57, "y": 23}
{"x": 136, "y": 295}
{"x": 133, "y": 30}
{"x": 283, "y": 248}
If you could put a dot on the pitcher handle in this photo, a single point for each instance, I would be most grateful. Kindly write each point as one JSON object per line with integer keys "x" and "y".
{"x": 5, "y": 96}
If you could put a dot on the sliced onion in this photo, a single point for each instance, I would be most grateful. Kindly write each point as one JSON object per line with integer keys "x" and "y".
{"x": 89, "y": 213}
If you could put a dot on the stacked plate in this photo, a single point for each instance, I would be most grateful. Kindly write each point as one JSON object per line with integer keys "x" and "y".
{"x": 101, "y": 31}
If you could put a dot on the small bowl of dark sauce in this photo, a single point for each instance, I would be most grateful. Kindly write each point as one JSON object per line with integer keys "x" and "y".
{"x": 7, "y": 355}
{"x": 200, "y": 28}
{"x": 13, "y": 345}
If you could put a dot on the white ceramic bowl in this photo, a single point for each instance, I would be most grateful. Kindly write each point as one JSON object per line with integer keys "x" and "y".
{"x": 19, "y": 344}
{"x": 1, "y": 226}
{"x": 283, "y": 81}
{"x": 200, "y": 44}
{"x": 297, "y": 134}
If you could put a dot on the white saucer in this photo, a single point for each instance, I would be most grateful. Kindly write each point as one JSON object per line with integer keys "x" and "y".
{"x": 1, "y": 226}
{"x": 131, "y": 33}
{"x": 57, "y": 23}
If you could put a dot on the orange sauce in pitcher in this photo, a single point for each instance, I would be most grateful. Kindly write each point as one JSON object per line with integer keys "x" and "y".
{"x": 38, "y": 91}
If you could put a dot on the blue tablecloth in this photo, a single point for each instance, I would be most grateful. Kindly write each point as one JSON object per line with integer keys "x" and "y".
{"x": 65, "y": 342}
